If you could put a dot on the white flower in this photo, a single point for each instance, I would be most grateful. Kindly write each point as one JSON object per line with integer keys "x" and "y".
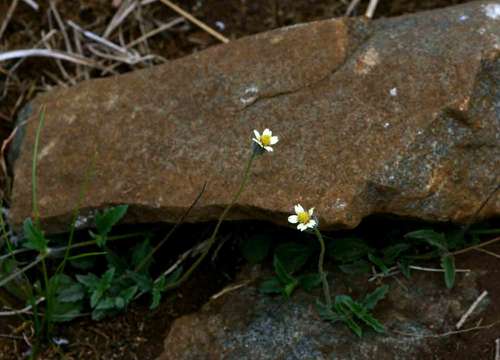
{"x": 303, "y": 218}
{"x": 266, "y": 140}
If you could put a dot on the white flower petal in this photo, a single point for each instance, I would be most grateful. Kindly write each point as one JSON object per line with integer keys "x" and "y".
{"x": 298, "y": 209}
{"x": 301, "y": 227}
{"x": 274, "y": 140}
{"x": 258, "y": 142}
{"x": 311, "y": 210}
{"x": 312, "y": 223}
{"x": 268, "y": 148}
{"x": 267, "y": 132}
{"x": 256, "y": 133}
{"x": 294, "y": 219}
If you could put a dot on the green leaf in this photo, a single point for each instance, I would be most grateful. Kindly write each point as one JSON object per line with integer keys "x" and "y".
{"x": 293, "y": 255}
{"x": 391, "y": 253}
{"x": 430, "y": 236}
{"x": 140, "y": 252}
{"x": 110, "y": 217}
{"x": 448, "y": 265}
{"x": 289, "y": 288}
{"x": 371, "y": 299}
{"x": 66, "y": 311}
{"x": 360, "y": 312}
{"x": 105, "y": 303}
{"x": 379, "y": 263}
{"x": 404, "y": 267}
{"x": 118, "y": 262}
{"x": 309, "y": 281}
{"x": 84, "y": 263}
{"x": 255, "y": 248}
{"x": 128, "y": 293}
{"x": 346, "y": 315}
{"x": 173, "y": 277}
{"x": 71, "y": 293}
{"x": 326, "y": 313}
{"x": 282, "y": 273}
{"x": 271, "y": 286}
{"x": 356, "y": 267}
{"x": 91, "y": 281}
{"x": 348, "y": 249}
{"x": 35, "y": 240}
{"x": 143, "y": 281}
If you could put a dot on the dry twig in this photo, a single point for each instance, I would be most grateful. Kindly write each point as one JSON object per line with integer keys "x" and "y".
{"x": 8, "y": 16}
{"x": 195, "y": 21}
{"x": 474, "y": 305}
{"x": 371, "y": 8}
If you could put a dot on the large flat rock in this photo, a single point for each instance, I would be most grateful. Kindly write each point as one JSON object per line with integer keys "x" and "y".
{"x": 398, "y": 116}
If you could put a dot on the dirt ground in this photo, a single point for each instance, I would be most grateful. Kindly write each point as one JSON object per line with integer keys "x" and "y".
{"x": 139, "y": 333}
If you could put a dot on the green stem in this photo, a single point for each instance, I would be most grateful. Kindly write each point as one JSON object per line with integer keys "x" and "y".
{"x": 326, "y": 287}
{"x": 211, "y": 241}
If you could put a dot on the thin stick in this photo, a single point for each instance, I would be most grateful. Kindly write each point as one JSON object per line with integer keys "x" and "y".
{"x": 32, "y": 4}
{"x": 473, "y": 307}
{"x": 155, "y": 31}
{"x": 24, "y": 310}
{"x": 120, "y": 15}
{"x": 351, "y": 7}
{"x": 497, "y": 349}
{"x": 436, "y": 270}
{"x": 24, "y": 53}
{"x": 195, "y": 21}
{"x": 60, "y": 23}
{"x": 90, "y": 35}
{"x": 371, "y": 8}
{"x": 449, "y": 333}
{"x": 6, "y": 21}
{"x": 489, "y": 242}
{"x": 491, "y": 253}
{"x": 229, "y": 289}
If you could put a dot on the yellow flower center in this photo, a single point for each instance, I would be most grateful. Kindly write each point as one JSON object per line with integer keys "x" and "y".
{"x": 303, "y": 217}
{"x": 265, "y": 140}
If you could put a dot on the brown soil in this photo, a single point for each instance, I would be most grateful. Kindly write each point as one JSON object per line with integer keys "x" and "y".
{"x": 139, "y": 333}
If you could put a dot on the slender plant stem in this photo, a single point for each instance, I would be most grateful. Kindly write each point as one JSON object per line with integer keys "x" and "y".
{"x": 326, "y": 287}
{"x": 34, "y": 200}
{"x": 83, "y": 192}
{"x": 211, "y": 241}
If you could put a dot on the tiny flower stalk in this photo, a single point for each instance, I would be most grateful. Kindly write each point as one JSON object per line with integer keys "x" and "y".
{"x": 305, "y": 219}
{"x": 262, "y": 144}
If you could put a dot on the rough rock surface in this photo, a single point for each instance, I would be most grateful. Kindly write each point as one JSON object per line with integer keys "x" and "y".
{"x": 244, "y": 324}
{"x": 393, "y": 116}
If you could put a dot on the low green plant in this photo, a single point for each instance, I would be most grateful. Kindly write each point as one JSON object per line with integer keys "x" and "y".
{"x": 355, "y": 313}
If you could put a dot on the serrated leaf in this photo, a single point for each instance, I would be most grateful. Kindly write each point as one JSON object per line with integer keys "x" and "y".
{"x": 35, "y": 240}
{"x": 140, "y": 252}
{"x": 348, "y": 249}
{"x": 379, "y": 263}
{"x": 128, "y": 293}
{"x": 356, "y": 267}
{"x": 309, "y": 281}
{"x": 289, "y": 288}
{"x": 255, "y": 248}
{"x": 346, "y": 315}
{"x": 391, "y": 253}
{"x": 448, "y": 265}
{"x": 91, "y": 281}
{"x": 71, "y": 293}
{"x": 430, "y": 236}
{"x": 360, "y": 312}
{"x": 371, "y": 299}
{"x": 271, "y": 286}
{"x": 293, "y": 256}
{"x": 105, "y": 303}
{"x": 326, "y": 313}
{"x": 108, "y": 218}
{"x": 404, "y": 267}
{"x": 66, "y": 311}
{"x": 282, "y": 273}
{"x": 156, "y": 298}
{"x": 143, "y": 281}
